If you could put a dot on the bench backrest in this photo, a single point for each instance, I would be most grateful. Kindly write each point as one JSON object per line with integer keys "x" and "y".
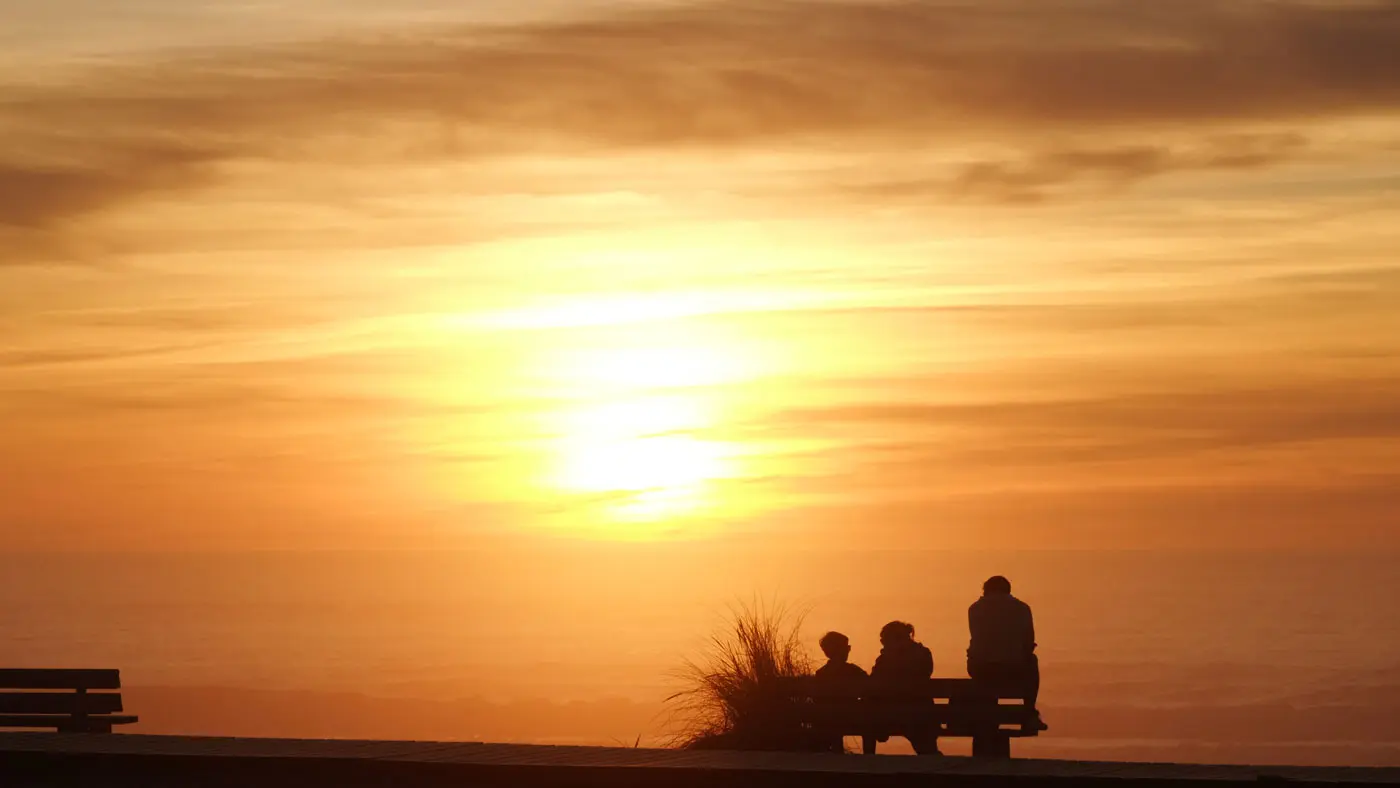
{"x": 958, "y": 706}
{"x": 932, "y": 689}
{"x": 71, "y": 697}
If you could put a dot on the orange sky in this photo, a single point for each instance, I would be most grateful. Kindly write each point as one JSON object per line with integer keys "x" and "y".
{"x": 1047, "y": 274}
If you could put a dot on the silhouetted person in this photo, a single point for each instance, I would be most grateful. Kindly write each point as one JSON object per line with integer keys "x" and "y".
{"x": 838, "y": 674}
{"x": 1002, "y": 647}
{"x": 901, "y": 673}
{"x": 839, "y": 680}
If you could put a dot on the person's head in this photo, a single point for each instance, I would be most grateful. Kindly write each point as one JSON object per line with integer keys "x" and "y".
{"x": 836, "y": 646}
{"x": 896, "y": 632}
{"x": 996, "y": 585}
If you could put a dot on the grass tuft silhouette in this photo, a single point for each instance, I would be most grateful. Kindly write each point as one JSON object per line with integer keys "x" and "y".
{"x": 733, "y": 696}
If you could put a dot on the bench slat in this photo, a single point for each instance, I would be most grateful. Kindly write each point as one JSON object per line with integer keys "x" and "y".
{"x": 957, "y": 689}
{"x": 25, "y": 678}
{"x": 861, "y": 716}
{"x": 91, "y": 724}
{"x": 68, "y": 703}
{"x": 939, "y": 688}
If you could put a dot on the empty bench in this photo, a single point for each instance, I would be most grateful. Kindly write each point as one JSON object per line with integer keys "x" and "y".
{"x": 63, "y": 700}
{"x": 990, "y": 716}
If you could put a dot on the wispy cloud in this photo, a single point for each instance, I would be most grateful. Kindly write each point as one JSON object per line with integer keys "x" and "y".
{"x": 717, "y": 74}
{"x": 1033, "y": 175}
{"x": 1040, "y": 176}
{"x": 1140, "y": 425}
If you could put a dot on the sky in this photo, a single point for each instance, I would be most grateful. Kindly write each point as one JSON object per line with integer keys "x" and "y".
{"x": 1061, "y": 274}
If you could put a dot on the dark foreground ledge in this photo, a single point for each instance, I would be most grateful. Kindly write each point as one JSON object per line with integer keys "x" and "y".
{"x": 49, "y": 760}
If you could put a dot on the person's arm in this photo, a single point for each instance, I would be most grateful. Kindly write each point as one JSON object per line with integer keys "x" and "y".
{"x": 971, "y": 628}
{"x": 1030, "y": 629}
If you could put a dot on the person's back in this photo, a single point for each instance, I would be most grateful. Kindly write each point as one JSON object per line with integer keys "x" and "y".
{"x": 838, "y": 680}
{"x": 903, "y": 663}
{"x": 839, "y": 677}
{"x": 842, "y": 676}
{"x": 1002, "y": 630}
{"x": 1001, "y": 646}
{"x": 901, "y": 673}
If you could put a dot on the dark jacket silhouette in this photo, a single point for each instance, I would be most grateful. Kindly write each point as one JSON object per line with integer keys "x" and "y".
{"x": 1001, "y": 644}
{"x": 1002, "y": 630}
{"x": 906, "y": 662}
{"x": 842, "y": 678}
{"x": 901, "y": 674}
{"x": 838, "y": 678}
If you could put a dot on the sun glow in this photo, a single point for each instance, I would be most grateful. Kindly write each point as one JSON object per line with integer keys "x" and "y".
{"x": 637, "y": 443}
{"x": 648, "y": 476}
{"x": 638, "y": 457}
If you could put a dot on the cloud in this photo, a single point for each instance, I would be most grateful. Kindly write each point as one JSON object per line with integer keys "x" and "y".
{"x": 717, "y": 74}
{"x": 32, "y": 195}
{"x": 1038, "y": 175}
{"x": 18, "y": 359}
{"x": 1203, "y": 514}
{"x": 1129, "y": 427}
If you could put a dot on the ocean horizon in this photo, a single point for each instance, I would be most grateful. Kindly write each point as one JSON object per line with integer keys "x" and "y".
{"x": 1217, "y": 657}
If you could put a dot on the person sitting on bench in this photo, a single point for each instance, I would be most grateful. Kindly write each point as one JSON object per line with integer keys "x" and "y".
{"x": 839, "y": 679}
{"x": 901, "y": 673}
{"x": 1001, "y": 650}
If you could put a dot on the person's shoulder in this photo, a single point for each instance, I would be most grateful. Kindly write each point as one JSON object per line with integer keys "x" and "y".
{"x": 1021, "y": 603}
{"x": 856, "y": 671}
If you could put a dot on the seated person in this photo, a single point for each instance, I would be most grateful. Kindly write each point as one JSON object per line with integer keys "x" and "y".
{"x": 838, "y": 674}
{"x": 901, "y": 673}
{"x": 1001, "y": 650}
{"x": 838, "y": 679}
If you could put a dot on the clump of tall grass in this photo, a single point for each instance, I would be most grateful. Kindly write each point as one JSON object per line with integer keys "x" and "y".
{"x": 733, "y": 696}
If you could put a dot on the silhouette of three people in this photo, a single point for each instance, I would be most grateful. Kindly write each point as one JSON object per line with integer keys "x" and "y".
{"x": 1001, "y": 653}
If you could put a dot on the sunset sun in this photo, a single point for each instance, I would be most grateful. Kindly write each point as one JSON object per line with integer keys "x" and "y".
{"x": 634, "y": 445}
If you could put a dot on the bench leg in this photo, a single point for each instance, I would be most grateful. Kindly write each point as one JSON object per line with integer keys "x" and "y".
{"x": 991, "y": 745}
{"x": 84, "y": 726}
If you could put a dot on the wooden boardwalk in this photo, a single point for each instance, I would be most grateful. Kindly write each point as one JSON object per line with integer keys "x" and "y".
{"x": 48, "y": 759}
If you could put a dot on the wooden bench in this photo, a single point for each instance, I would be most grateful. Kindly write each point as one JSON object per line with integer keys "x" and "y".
{"x": 990, "y": 716}
{"x": 32, "y": 699}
